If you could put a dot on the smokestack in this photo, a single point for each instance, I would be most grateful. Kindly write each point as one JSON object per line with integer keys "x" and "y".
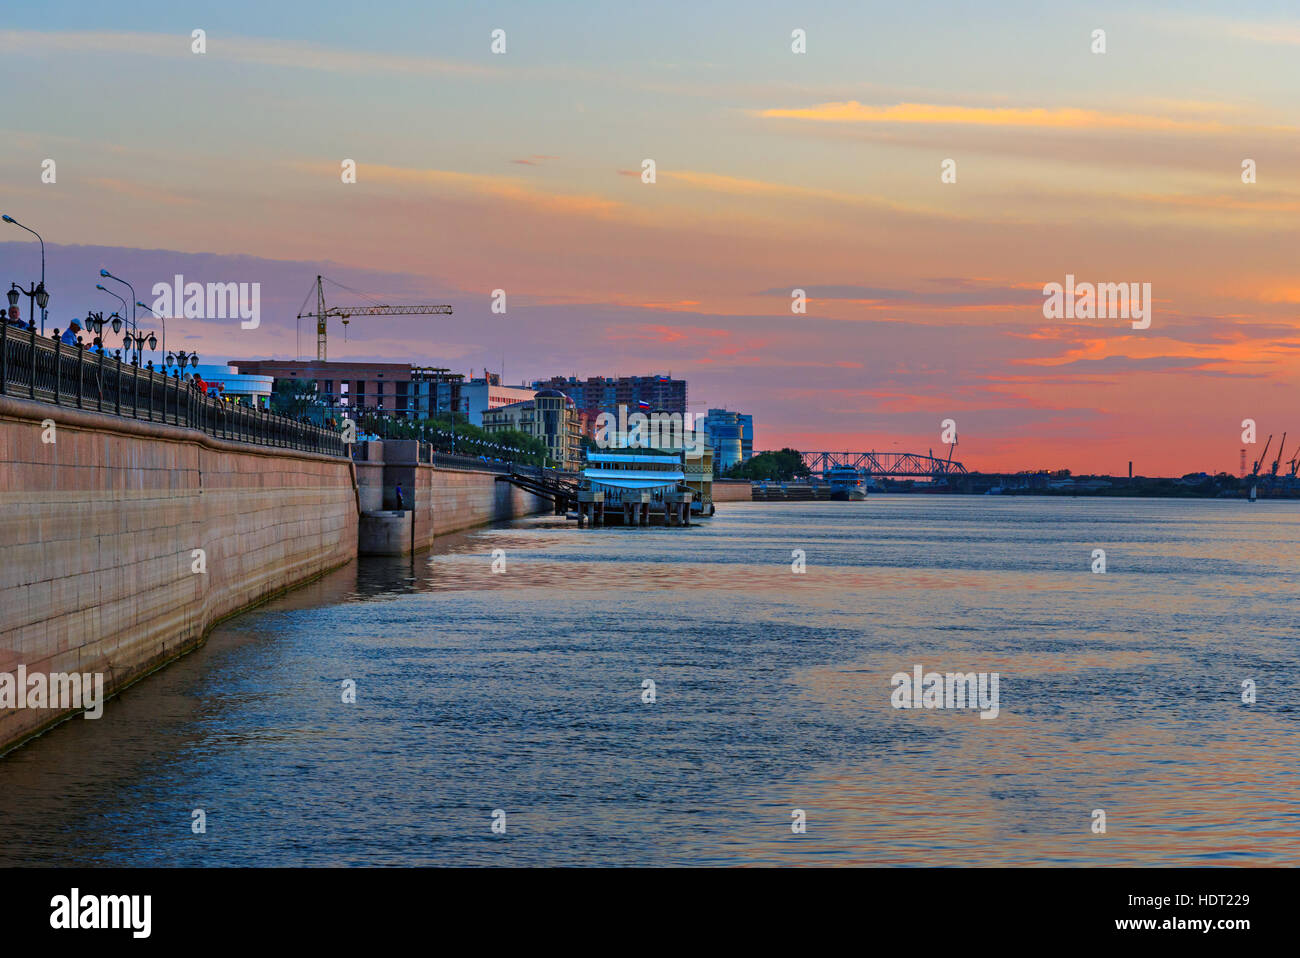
{"x": 1130, "y": 469}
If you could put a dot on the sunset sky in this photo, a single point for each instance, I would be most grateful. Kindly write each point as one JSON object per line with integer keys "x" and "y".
{"x": 775, "y": 171}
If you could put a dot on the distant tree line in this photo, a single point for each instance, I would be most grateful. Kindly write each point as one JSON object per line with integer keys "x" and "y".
{"x": 782, "y": 465}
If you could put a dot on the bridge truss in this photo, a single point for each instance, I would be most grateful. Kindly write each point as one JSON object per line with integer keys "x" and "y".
{"x": 897, "y": 464}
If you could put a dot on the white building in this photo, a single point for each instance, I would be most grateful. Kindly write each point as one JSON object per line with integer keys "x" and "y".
{"x": 230, "y": 384}
{"x": 479, "y": 395}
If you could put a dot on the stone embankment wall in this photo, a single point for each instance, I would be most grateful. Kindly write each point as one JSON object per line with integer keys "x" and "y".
{"x": 99, "y": 532}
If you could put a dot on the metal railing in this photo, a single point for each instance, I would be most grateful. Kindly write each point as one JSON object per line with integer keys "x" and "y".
{"x": 32, "y": 367}
{"x": 453, "y": 449}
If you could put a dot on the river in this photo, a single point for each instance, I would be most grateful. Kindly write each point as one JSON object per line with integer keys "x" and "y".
{"x": 522, "y": 691}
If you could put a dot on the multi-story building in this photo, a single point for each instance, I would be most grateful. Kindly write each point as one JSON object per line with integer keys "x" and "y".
{"x": 598, "y": 394}
{"x": 731, "y": 434}
{"x": 480, "y": 395}
{"x": 549, "y": 416}
{"x": 398, "y": 389}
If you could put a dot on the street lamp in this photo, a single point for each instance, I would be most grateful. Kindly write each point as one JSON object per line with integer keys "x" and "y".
{"x": 180, "y": 359}
{"x": 107, "y": 275}
{"x": 140, "y": 340}
{"x": 96, "y": 322}
{"x": 160, "y": 319}
{"x": 36, "y": 296}
{"x": 38, "y": 292}
{"x": 117, "y": 325}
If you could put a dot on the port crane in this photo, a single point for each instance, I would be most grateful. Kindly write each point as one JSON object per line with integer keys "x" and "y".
{"x": 1255, "y": 472}
{"x": 322, "y": 312}
{"x": 940, "y": 466}
{"x": 1276, "y": 462}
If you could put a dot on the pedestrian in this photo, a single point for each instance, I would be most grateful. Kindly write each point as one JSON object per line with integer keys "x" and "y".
{"x": 399, "y": 497}
{"x": 69, "y": 337}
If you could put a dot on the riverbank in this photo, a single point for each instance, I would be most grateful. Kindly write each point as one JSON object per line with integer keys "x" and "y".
{"x": 126, "y": 541}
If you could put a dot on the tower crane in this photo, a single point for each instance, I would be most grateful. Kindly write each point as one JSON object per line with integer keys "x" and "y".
{"x": 322, "y": 313}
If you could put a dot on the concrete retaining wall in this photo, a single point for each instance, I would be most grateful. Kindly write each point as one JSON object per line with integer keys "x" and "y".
{"x": 98, "y": 531}
{"x": 449, "y": 500}
{"x": 445, "y": 499}
{"x": 732, "y": 490}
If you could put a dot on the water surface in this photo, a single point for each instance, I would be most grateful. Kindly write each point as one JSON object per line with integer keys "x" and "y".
{"x": 522, "y": 691}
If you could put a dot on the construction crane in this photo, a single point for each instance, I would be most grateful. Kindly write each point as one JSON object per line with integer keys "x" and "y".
{"x": 941, "y": 466}
{"x": 1278, "y": 460}
{"x": 344, "y": 312}
{"x": 1255, "y": 472}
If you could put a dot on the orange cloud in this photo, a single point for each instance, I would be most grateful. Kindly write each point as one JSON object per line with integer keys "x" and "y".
{"x": 851, "y": 111}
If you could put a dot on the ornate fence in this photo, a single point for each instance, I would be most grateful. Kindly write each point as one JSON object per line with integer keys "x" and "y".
{"x": 32, "y": 367}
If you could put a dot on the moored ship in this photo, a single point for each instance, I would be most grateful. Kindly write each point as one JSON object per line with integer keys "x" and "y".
{"x": 846, "y": 484}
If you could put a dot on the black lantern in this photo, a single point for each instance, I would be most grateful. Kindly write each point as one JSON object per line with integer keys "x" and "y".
{"x": 13, "y": 295}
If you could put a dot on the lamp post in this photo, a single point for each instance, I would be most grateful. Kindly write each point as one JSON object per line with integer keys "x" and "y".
{"x": 161, "y": 320}
{"x": 180, "y": 359}
{"x": 95, "y": 322}
{"x": 139, "y": 340}
{"x": 36, "y": 296}
{"x": 118, "y": 324}
{"x": 107, "y": 275}
{"x": 38, "y": 293}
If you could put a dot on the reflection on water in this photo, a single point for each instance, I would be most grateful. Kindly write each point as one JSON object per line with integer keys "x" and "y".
{"x": 522, "y": 691}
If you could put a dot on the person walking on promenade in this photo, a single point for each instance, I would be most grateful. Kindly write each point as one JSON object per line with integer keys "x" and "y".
{"x": 399, "y": 497}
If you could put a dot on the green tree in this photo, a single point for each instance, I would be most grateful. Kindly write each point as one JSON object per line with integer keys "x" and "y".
{"x": 294, "y": 397}
{"x": 780, "y": 466}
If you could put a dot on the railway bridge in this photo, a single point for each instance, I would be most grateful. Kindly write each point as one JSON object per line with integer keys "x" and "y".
{"x": 891, "y": 464}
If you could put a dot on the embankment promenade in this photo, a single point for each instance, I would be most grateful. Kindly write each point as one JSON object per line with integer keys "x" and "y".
{"x": 123, "y": 542}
